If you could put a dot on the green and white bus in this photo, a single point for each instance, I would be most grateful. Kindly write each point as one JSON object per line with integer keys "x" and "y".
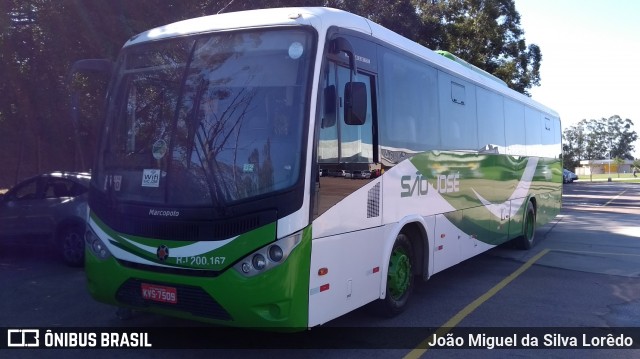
{"x": 283, "y": 167}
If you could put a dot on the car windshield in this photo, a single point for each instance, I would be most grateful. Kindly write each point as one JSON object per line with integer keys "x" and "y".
{"x": 207, "y": 120}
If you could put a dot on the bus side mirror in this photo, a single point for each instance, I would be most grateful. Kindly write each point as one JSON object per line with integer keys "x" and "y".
{"x": 355, "y": 109}
{"x": 329, "y": 116}
{"x": 101, "y": 67}
{"x": 355, "y": 93}
{"x": 93, "y": 76}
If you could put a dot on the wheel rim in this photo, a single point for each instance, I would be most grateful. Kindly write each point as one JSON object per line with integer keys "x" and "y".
{"x": 72, "y": 247}
{"x": 398, "y": 278}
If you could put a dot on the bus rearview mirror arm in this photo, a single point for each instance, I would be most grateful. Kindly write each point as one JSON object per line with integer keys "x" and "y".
{"x": 340, "y": 44}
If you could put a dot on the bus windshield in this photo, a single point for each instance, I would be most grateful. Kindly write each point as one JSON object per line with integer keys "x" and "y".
{"x": 208, "y": 120}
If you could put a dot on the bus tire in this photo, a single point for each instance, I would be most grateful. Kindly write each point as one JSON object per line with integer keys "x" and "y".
{"x": 399, "y": 278}
{"x": 527, "y": 240}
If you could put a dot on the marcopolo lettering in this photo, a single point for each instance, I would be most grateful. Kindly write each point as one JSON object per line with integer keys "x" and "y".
{"x": 164, "y": 213}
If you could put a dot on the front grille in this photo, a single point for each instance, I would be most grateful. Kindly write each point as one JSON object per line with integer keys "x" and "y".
{"x": 184, "y": 230}
{"x": 192, "y": 225}
{"x": 191, "y": 299}
{"x": 170, "y": 270}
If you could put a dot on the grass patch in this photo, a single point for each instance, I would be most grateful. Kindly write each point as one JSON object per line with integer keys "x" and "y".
{"x": 622, "y": 177}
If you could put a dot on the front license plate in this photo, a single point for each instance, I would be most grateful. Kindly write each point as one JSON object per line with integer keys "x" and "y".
{"x": 159, "y": 293}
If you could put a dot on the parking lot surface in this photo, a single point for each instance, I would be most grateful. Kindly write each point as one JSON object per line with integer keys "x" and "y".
{"x": 584, "y": 273}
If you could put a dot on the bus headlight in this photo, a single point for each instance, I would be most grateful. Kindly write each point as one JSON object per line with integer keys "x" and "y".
{"x": 269, "y": 256}
{"x": 95, "y": 245}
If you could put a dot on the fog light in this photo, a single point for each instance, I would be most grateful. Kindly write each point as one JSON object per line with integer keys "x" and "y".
{"x": 246, "y": 268}
{"x": 99, "y": 249}
{"x": 259, "y": 262}
{"x": 275, "y": 253}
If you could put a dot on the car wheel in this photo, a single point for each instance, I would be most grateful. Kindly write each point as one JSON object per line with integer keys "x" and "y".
{"x": 71, "y": 241}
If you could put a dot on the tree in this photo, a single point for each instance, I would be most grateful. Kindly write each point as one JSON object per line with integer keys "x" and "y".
{"x": 31, "y": 104}
{"x": 622, "y": 137}
{"x": 39, "y": 41}
{"x": 599, "y": 139}
{"x": 618, "y": 162}
{"x": 573, "y": 146}
{"x": 487, "y": 34}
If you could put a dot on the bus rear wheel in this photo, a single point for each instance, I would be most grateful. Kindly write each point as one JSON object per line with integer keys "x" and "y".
{"x": 526, "y": 241}
{"x": 399, "y": 278}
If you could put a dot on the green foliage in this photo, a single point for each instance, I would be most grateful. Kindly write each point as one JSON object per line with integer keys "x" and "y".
{"x": 486, "y": 33}
{"x": 593, "y": 139}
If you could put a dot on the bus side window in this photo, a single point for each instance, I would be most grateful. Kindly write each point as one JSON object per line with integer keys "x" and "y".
{"x": 344, "y": 140}
{"x": 356, "y": 136}
{"x": 409, "y": 110}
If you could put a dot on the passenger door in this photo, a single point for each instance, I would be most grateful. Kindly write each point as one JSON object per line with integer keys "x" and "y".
{"x": 346, "y": 155}
{"x": 342, "y": 149}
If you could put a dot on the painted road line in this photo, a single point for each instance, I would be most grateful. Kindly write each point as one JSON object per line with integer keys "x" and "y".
{"x": 597, "y": 253}
{"x": 614, "y": 198}
{"x": 456, "y": 319}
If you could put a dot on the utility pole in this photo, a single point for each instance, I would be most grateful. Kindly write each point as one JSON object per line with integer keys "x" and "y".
{"x": 610, "y": 144}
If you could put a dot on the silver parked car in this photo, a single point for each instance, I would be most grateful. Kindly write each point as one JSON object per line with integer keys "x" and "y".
{"x": 49, "y": 209}
{"x": 568, "y": 176}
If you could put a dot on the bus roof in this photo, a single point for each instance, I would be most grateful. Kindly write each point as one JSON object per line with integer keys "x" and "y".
{"x": 462, "y": 62}
{"x": 313, "y": 16}
{"x": 322, "y": 18}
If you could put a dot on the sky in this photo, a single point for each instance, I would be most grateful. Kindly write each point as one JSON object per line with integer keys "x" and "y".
{"x": 590, "y": 57}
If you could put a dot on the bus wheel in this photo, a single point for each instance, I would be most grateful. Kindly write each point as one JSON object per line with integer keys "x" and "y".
{"x": 528, "y": 236}
{"x": 399, "y": 277}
